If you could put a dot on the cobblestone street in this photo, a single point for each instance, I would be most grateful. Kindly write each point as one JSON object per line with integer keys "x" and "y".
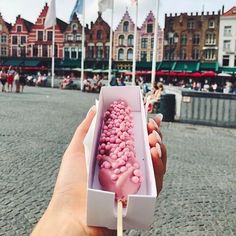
{"x": 199, "y": 195}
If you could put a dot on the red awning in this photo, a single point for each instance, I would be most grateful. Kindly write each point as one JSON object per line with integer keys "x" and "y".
{"x": 209, "y": 74}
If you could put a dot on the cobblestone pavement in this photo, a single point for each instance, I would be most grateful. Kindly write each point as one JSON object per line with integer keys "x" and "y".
{"x": 199, "y": 195}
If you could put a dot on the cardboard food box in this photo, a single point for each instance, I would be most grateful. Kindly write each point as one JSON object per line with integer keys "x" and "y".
{"x": 101, "y": 205}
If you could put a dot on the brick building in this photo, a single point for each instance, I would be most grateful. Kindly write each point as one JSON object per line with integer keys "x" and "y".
{"x": 146, "y": 40}
{"x": 73, "y": 39}
{"x": 192, "y": 37}
{"x": 40, "y": 39}
{"x": 98, "y": 41}
{"x": 19, "y": 37}
{"x": 123, "y": 42}
{"x": 5, "y": 29}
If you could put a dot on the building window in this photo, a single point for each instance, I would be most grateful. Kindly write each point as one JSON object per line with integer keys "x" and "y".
{"x": 40, "y": 35}
{"x": 23, "y": 40}
{"x": 55, "y": 50}
{"x": 143, "y": 56}
{"x": 107, "y": 50}
{"x": 49, "y": 36}
{"x": 195, "y": 54}
{"x": 74, "y": 27}
{"x": 210, "y": 38}
{"x": 183, "y": 39}
{"x": 183, "y": 54}
{"x": 35, "y": 51}
{"x": 211, "y": 24}
{"x": 73, "y": 53}
{"x": 130, "y": 40}
{"x": 78, "y": 37}
{"x": 121, "y": 40}
{"x": 225, "y": 60}
{"x": 14, "y": 51}
{"x": 126, "y": 26}
{"x": 99, "y": 52}
{"x": 45, "y": 51}
{"x": 234, "y": 61}
{"x": 69, "y": 37}
{"x": 99, "y": 34}
{"x": 121, "y": 54}
{"x": 22, "y": 51}
{"x": 0, "y": 27}
{"x": 210, "y": 54}
{"x": 3, "y": 51}
{"x": 149, "y": 28}
{"x": 90, "y": 51}
{"x": 14, "y": 40}
{"x": 196, "y": 39}
{"x": 18, "y": 28}
{"x": 130, "y": 54}
{"x": 191, "y": 24}
{"x": 226, "y": 46}
{"x": 3, "y": 38}
{"x": 227, "y": 31}
{"x": 66, "y": 53}
{"x": 144, "y": 42}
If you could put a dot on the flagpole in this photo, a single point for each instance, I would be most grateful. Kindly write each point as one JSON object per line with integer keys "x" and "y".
{"x": 110, "y": 50}
{"x": 83, "y": 51}
{"x": 154, "y": 59}
{"x": 135, "y": 41}
{"x": 53, "y": 55}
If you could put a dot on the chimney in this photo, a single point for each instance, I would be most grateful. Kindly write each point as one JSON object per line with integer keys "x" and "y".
{"x": 91, "y": 24}
{"x": 191, "y": 13}
{"x": 196, "y": 13}
{"x": 207, "y": 12}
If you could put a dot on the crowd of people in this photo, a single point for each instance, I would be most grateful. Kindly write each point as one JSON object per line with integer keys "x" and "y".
{"x": 12, "y": 77}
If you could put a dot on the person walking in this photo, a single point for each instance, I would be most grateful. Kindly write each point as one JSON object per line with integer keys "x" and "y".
{"x": 3, "y": 79}
{"x": 10, "y": 79}
{"x": 22, "y": 80}
{"x": 17, "y": 81}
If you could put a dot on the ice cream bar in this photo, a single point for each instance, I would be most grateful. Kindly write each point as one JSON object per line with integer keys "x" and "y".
{"x": 119, "y": 170}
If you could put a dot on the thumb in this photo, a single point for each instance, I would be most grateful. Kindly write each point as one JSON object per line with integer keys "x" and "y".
{"x": 76, "y": 144}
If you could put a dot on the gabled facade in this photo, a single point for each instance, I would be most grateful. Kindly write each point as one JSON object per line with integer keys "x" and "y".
{"x": 146, "y": 40}
{"x": 4, "y": 37}
{"x": 192, "y": 37}
{"x": 19, "y": 37}
{"x": 227, "y": 39}
{"x": 123, "y": 40}
{"x": 40, "y": 39}
{"x": 98, "y": 40}
{"x": 73, "y": 39}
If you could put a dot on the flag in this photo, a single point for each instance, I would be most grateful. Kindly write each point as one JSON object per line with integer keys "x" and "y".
{"x": 104, "y": 4}
{"x": 51, "y": 15}
{"x": 78, "y": 8}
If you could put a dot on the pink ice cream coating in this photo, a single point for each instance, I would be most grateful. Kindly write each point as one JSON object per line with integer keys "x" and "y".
{"x": 119, "y": 169}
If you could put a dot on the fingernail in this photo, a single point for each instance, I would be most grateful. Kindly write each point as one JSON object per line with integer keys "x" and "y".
{"x": 160, "y": 116}
{"x": 93, "y": 108}
{"x": 158, "y": 147}
{"x": 153, "y": 122}
{"x": 157, "y": 136}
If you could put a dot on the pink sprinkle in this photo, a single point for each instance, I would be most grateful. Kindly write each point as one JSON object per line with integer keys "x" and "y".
{"x": 135, "y": 179}
{"x": 120, "y": 154}
{"x": 128, "y": 165}
{"x": 136, "y": 165}
{"x": 114, "y": 157}
{"x": 108, "y": 147}
{"x": 117, "y": 171}
{"x": 106, "y": 165}
{"x": 121, "y": 162}
{"x": 114, "y": 177}
{"x": 102, "y": 151}
{"x": 118, "y": 140}
{"x": 123, "y": 169}
{"x": 99, "y": 157}
{"x": 137, "y": 172}
{"x": 114, "y": 165}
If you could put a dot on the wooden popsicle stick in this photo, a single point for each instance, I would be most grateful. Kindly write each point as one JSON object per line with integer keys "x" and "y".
{"x": 119, "y": 219}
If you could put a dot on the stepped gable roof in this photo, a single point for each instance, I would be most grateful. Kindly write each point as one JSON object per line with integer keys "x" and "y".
{"x": 100, "y": 20}
{"x": 150, "y": 18}
{"x": 8, "y": 25}
{"x": 231, "y": 12}
{"x": 27, "y": 23}
{"x": 126, "y": 17}
{"x": 74, "y": 19}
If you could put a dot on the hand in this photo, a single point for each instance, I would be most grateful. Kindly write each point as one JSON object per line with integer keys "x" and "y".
{"x": 66, "y": 213}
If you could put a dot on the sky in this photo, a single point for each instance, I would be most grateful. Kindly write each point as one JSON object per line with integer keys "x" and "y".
{"x": 30, "y": 10}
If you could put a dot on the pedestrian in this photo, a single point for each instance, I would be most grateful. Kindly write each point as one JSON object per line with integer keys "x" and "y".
{"x": 17, "y": 81}
{"x": 22, "y": 80}
{"x": 10, "y": 79}
{"x": 3, "y": 79}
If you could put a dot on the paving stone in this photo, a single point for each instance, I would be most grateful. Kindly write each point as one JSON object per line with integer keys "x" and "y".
{"x": 199, "y": 193}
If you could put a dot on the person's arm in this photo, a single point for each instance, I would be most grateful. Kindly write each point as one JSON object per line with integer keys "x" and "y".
{"x": 66, "y": 213}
